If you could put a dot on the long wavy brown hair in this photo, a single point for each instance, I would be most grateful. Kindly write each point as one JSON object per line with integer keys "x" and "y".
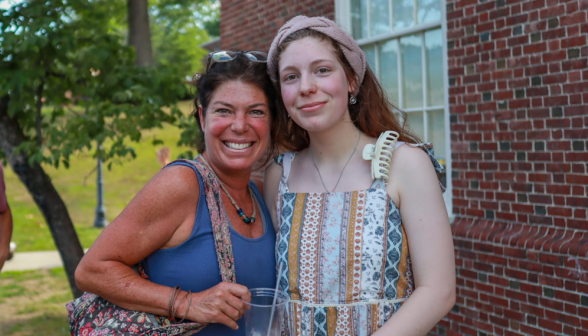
{"x": 373, "y": 113}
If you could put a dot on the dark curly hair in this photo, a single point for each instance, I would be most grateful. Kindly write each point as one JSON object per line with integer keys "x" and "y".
{"x": 239, "y": 69}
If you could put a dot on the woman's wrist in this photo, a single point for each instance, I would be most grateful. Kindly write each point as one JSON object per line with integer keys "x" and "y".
{"x": 187, "y": 308}
{"x": 180, "y": 305}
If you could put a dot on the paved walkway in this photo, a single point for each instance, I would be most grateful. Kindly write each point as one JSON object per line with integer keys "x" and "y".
{"x": 24, "y": 261}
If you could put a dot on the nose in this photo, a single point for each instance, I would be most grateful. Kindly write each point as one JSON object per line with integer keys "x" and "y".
{"x": 307, "y": 85}
{"x": 240, "y": 123}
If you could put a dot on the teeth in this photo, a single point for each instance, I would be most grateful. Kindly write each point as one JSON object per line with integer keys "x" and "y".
{"x": 233, "y": 145}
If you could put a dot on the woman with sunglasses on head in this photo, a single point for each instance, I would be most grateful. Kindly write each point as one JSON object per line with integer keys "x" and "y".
{"x": 197, "y": 226}
{"x": 363, "y": 233}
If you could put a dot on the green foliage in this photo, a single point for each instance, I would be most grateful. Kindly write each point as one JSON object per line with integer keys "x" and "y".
{"x": 179, "y": 27}
{"x": 69, "y": 50}
{"x": 179, "y": 12}
{"x": 77, "y": 188}
{"x": 179, "y": 47}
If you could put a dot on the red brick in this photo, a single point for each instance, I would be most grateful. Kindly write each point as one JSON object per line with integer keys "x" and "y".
{"x": 547, "y": 324}
{"x": 554, "y": 177}
{"x": 573, "y": 42}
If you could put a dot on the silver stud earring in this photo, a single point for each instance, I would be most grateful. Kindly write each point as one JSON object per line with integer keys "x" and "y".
{"x": 352, "y": 99}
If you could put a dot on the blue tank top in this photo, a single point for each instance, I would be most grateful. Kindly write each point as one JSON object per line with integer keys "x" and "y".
{"x": 193, "y": 265}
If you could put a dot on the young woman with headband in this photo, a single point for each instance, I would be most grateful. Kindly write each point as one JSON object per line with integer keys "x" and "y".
{"x": 363, "y": 233}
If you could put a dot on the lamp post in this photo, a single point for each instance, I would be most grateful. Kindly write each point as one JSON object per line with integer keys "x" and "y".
{"x": 100, "y": 221}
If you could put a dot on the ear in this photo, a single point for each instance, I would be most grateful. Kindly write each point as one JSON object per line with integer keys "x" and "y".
{"x": 201, "y": 117}
{"x": 352, "y": 86}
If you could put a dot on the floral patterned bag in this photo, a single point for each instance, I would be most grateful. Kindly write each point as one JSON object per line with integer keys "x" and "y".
{"x": 92, "y": 315}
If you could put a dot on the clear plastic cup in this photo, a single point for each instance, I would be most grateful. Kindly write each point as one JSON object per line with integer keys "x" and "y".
{"x": 259, "y": 312}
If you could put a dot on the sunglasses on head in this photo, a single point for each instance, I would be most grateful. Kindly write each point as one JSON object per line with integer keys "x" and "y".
{"x": 227, "y": 56}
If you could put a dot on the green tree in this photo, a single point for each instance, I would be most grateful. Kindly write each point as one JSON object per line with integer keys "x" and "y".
{"x": 63, "y": 56}
{"x": 179, "y": 27}
{"x": 167, "y": 32}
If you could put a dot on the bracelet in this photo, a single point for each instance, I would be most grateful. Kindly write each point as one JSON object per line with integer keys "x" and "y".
{"x": 172, "y": 300}
{"x": 188, "y": 308}
{"x": 175, "y": 308}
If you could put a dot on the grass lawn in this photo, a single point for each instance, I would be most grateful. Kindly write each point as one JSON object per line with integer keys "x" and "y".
{"x": 77, "y": 187}
{"x": 33, "y": 303}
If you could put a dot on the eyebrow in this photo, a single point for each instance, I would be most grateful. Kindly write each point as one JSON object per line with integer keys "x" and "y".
{"x": 311, "y": 63}
{"x": 231, "y": 105}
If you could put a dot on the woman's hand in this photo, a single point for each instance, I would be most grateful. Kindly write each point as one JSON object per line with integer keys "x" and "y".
{"x": 222, "y": 303}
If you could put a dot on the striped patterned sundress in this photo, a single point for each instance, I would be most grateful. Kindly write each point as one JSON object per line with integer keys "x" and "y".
{"x": 345, "y": 258}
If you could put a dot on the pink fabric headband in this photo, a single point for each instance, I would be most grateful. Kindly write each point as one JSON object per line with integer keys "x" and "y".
{"x": 350, "y": 48}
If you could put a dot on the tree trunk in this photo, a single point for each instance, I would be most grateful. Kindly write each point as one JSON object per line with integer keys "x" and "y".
{"x": 46, "y": 197}
{"x": 139, "y": 33}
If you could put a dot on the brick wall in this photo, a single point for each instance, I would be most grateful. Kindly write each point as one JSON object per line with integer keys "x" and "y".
{"x": 518, "y": 77}
{"x": 252, "y": 24}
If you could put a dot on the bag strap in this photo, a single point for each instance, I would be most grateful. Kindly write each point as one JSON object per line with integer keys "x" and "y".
{"x": 218, "y": 217}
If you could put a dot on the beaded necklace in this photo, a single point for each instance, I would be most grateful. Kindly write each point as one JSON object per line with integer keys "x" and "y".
{"x": 240, "y": 212}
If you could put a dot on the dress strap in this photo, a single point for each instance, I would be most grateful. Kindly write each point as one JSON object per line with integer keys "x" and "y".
{"x": 286, "y": 163}
{"x": 279, "y": 159}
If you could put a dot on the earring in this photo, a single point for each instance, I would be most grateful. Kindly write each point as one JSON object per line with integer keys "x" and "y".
{"x": 352, "y": 99}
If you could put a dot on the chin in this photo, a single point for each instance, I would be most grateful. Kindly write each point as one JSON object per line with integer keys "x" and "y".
{"x": 315, "y": 125}
{"x": 319, "y": 123}
{"x": 240, "y": 163}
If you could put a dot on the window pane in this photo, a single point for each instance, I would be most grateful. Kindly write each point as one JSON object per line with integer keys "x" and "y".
{"x": 435, "y": 87}
{"x": 370, "y": 56}
{"x": 436, "y": 133}
{"x": 379, "y": 17}
{"x": 416, "y": 124}
{"x": 428, "y": 10}
{"x": 412, "y": 71}
{"x": 359, "y": 19}
{"x": 389, "y": 69}
{"x": 403, "y": 11}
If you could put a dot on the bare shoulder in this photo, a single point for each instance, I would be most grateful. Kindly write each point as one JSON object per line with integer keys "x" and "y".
{"x": 411, "y": 168}
{"x": 168, "y": 198}
{"x": 411, "y": 160}
{"x": 173, "y": 183}
{"x": 166, "y": 203}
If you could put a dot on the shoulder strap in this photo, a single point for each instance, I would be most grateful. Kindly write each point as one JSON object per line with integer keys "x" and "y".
{"x": 287, "y": 164}
{"x": 279, "y": 159}
{"x": 284, "y": 160}
{"x": 220, "y": 222}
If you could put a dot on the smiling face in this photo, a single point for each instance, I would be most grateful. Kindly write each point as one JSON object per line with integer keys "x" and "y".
{"x": 313, "y": 83}
{"x": 236, "y": 126}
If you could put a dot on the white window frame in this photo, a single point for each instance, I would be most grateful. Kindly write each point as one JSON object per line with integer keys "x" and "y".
{"x": 343, "y": 17}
